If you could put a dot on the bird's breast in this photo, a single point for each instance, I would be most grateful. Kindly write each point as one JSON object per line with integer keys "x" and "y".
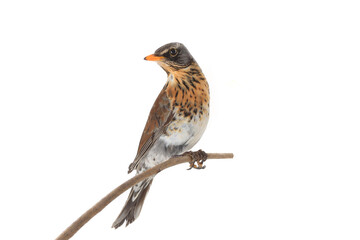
{"x": 188, "y": 92}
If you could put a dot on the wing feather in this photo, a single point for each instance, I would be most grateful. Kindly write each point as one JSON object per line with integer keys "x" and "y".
{"x": 159, "y": 119}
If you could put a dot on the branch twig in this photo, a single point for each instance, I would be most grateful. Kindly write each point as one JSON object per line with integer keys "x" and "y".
{"x": 83, "y": 219}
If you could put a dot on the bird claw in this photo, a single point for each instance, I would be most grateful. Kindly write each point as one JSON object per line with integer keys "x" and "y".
{"x": 197, "y": 159}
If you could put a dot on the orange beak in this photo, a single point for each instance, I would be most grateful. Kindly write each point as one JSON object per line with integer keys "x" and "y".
{"x": 152, "y": 57}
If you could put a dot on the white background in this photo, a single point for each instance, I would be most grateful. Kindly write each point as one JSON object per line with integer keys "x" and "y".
{"x": 75, "y": 93}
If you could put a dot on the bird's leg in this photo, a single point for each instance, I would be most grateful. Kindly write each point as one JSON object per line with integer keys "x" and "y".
{"x": 197, "y": 159}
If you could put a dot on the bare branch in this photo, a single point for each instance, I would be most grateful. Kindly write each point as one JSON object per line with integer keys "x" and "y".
{"x": 83, "y": 219}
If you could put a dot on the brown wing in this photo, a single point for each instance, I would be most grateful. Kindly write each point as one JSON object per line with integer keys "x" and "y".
{"x": 158, "y": 120}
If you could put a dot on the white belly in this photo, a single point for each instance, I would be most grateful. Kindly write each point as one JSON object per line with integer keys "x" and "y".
{"x": 180, "y": 137}
{"x": 183, "y": 132}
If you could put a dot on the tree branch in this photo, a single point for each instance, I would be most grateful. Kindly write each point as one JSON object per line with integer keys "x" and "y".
{"x": 83, "y": 219}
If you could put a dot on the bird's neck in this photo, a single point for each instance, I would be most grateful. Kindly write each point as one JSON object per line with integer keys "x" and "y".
{"x": 188, "y": 87}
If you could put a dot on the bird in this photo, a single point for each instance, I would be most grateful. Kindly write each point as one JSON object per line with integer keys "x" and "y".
{"x": 176, "y": 122}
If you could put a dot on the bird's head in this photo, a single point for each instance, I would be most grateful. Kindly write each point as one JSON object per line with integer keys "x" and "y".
{"x": 172, "y": 57}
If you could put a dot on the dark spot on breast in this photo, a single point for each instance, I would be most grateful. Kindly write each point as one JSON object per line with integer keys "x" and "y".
{"x": 195, "y": 80}
{"x": 185, "y": 84}
{"x": 194, "y": 71}
{"x": 195, "y": 110}
{"x": 192, "y": 83}
{"x": 186, "y": 114}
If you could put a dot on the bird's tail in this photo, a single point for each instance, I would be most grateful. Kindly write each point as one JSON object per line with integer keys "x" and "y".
{"x": 134, "y": 203}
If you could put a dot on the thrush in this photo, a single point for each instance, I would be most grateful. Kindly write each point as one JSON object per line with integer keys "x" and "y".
{"x": 175, "y": 124}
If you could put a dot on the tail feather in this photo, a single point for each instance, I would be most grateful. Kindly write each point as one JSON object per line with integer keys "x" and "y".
{"x": 133, "y": 204}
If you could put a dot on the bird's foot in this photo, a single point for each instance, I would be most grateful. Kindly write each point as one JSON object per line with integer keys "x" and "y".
{"x": 197, "y": 159}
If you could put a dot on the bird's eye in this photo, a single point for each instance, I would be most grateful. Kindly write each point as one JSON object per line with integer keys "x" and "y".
{"x": 173, "y": 52}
